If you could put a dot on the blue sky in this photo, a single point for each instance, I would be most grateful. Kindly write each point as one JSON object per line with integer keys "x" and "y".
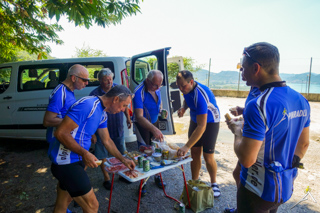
{"x": 207, "y": 29}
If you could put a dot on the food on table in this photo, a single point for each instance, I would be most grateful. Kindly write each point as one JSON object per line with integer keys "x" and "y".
{"x": 148, "y": 152}
{"x": 113, "y": 161}
{"x": 173, "y": 146}
{"x": 132, "y": 173}
{"x": 142, "y": 148}
{"x": 157, "y": 156}
{"x": 116, "y": 168}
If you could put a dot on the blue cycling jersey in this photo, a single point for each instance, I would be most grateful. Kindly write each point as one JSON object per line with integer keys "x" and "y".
{"x": 88, "y": 113}
{"x": 277, "y": 117}
{"x": 253, "y": 93}
{"x": 115, "y": 121}
{"x": 60, "y": 99}
{"x": 144, "y": 100}
{"x": 202, "y": 101}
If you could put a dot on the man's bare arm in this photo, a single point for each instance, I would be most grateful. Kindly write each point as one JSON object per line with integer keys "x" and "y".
{"x": 50, "y": 119}
{"x": 303, "y": 143}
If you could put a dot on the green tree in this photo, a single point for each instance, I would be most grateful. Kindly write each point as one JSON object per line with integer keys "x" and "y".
{"x": 188, "y": 63}
{"x": 86, "y": 51}
{"x": 173, "y": 68}
{"x": 25, "y": 23}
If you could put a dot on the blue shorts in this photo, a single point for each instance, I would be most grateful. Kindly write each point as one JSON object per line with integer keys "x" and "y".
{"x": 120, "y": 144}
{"x": 72, "y": 177}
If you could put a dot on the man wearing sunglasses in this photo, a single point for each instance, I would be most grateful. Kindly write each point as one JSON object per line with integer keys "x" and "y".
{"x": 62, "y": 97}
{"x": 147, "y": 103}
{"x": 275, "y": 134}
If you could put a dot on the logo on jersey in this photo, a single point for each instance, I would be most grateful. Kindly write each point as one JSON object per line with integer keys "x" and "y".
{"x": 295, "y": 114}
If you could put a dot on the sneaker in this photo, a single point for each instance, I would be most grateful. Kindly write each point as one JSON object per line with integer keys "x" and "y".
{"x": 230, "y": 210}
{"x": 216, "y": 190}
{"x": 143, "y": 190}
{"x": 107, "y": 184}
{"x": 157, "y": 181}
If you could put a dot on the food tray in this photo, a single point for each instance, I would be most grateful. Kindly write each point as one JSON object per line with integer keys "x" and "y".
{"x": 139, "y": 171}
{"x": 114, "y": 168}
{"x": 113, "y": 161}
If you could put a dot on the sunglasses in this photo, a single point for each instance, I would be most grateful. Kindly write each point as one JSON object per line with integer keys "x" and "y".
{"x": 83, "y": 79}
{"x": 249, "y": 56}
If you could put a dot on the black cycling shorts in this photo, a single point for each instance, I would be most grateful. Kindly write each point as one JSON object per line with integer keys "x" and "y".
{"x": 208, "y": 138}
{"x": 72, "y": 177}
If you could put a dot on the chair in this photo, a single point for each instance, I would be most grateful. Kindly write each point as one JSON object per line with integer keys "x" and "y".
{"x": 33, "y": 84}
{"x": 53, "y": 80}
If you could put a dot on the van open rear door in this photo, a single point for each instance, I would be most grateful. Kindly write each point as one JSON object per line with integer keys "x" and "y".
{"x": 140, "y": 65}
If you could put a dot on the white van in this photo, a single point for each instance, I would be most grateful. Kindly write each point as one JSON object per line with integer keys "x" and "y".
{"x": 25, "y": 88}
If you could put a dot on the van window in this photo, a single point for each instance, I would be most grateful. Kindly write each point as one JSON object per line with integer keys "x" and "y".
{"x": 142, "y": 67}
{"x": 5, "y": 74}
{"x": 38, "y": 77}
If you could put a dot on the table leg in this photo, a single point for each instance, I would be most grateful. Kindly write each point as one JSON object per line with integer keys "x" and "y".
{"x": 140, "y": 188}
{"x": 185, "y": 184}
{"x": 165, "y": 190}
{"x": 111, "y": 193}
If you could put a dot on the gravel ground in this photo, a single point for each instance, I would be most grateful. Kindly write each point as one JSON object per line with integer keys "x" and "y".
{"x": 26, "y": 183}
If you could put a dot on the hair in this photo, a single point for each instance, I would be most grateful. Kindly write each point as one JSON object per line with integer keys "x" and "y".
{"x": 105, "y": 72}
{"x": 76, "y": 69}
{"x": 153, "y": 73}
{"x": 119, "y": 90}
{"x": 185, "y": 74}
{"x": 266, "y": 54}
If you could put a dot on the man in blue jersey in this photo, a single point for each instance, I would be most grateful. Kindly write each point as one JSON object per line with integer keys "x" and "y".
{"x": 275, "y": 134}
{"x": 115, "y": 124}
{"x": 204, "y": 126}
{"x": 69, "y": 153}
{"x": 147, "y": 103}
{"x": 62, "y": 97}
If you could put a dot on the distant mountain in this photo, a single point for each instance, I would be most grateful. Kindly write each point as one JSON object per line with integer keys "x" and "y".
{"x": 231, "y": 77}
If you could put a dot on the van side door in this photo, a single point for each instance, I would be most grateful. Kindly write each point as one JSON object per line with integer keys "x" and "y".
{"x": 140, "y": 65}
{"x": 7, "y": 101}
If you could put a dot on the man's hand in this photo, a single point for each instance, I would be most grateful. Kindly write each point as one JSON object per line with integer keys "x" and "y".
{"x": 129, "y": 163}
{"x": 89, "y": 160}
{"x": 182, "y": 151}
{"x": 235, "y": 111}
{"x": 157, "y": 134}
{"x": 236, "y": 126}
{"x": 129, "y": 123}
{"x": 181, "y": 112}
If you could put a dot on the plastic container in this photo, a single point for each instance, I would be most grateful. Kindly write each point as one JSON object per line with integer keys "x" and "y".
{"x": 157, "y": 156}
{"x": 148, "y": 152}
